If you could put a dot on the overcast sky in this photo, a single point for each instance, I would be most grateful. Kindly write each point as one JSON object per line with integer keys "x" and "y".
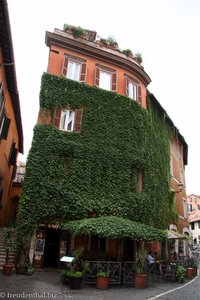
{"x": 166, "y": 32}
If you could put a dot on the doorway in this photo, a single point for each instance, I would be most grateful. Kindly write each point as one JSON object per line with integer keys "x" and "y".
{"x": 51, "y": 249}
{"x": 128, "y": 249}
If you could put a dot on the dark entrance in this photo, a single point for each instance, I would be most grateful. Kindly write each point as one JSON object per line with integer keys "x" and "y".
{"x": 128, "y": 249}
{"x": 51, "y": 250}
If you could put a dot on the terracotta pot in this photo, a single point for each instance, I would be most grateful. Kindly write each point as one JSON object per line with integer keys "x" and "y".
{"x": 194, "y": 271}
{"x": 102, "y": 282}
{"x": 189, "y": 273}
{"x": 140, "y": 281}
{"x": 7, "y": 269}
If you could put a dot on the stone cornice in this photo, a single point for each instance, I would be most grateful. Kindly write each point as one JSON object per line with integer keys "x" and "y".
{"x": 91, "y": 49}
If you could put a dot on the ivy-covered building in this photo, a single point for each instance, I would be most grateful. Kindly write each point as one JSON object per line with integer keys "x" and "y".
{"x": 105, "y": 160}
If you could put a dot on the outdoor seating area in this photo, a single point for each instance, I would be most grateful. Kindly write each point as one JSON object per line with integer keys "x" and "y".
{"x": 124, "y": 272}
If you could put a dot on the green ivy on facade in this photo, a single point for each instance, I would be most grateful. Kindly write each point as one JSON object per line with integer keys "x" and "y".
{"x": 70, "y": 174}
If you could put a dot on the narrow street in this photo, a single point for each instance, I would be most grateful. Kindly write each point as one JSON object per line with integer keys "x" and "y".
{"x": 47, "y": 285}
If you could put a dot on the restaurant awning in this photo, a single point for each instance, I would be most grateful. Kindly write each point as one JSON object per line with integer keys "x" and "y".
{"x": 171, "y": 234}
{"x": 114, "y": 227}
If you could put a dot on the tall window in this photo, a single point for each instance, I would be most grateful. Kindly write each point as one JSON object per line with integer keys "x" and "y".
{"x": 67, "y": 120}
{"x": 171, "y": 167}
{"x": 133, "y": 89}
{"x": 189, "y": 207}
{"x": 2, "y": 103}
{"x": 192, "y": 225}
{"x": 4, "y": 121}
{"x": 184, "y": 208}
{"x": 74, "y": 68}
{"x": 105, "y": 78}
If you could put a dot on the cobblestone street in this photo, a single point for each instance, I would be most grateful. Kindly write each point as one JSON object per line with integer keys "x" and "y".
{"x": 47, "y": 285}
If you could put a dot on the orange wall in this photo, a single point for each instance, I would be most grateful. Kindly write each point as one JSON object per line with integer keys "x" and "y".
{"x": 5, "y": 145}
{"x": 56, "y": 63}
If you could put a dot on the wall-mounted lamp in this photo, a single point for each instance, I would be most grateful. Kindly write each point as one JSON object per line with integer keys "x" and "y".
{"x": 180, "y": 187}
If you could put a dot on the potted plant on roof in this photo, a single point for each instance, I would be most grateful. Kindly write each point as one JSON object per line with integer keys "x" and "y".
{"x": 9, "y": 244}
{"x": 138, "y": 57}
{"x": 102, "y": 280}
{"x": 140, "y": 276}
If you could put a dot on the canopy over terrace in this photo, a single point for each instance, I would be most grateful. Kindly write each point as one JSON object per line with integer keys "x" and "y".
{"x": 115, "y": 227}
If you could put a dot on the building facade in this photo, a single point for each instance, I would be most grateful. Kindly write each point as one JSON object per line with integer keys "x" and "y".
{"x": 11, "y": 132}
{"x": 193, "y": 203}
{"x": 101, "y": 147}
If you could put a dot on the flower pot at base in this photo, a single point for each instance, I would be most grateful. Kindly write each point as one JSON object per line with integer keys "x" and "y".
{"x": 140, "y": 281}
{"x": 8, "y": 269}
{"x": 75, "y": 283}
{"x": 102, "y": 282}
{"x": 189, "y": 273}
{"x": 194, "y": 271}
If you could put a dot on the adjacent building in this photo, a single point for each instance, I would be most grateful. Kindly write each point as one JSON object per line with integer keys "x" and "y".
{"x": 103, "y": 146}
{"x": 193, "y": 203}
{"x": 11, "y": 132}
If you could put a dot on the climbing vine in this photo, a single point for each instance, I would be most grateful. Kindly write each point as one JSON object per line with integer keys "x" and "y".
{"x": 71, "y": 174}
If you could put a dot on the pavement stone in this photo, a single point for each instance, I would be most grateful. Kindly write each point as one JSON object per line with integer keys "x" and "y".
{"x": 48, "y": 285}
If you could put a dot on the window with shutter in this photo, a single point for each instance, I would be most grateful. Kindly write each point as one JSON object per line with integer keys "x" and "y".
{"x": 133, "y": 89}
{"x": 4, "y": 128}
{"x": 13, "y": 155}
{"x": 68, "y": 119}
{"x": 105, "y": 78}
{"x": 2, "y": 104}
{"x": 74, "y": 68}
{"x": 78, "y": 120}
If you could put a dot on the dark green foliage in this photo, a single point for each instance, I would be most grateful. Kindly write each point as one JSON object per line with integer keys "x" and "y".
{"x": 114, "y": 227}
{"x": 70, "y": 174}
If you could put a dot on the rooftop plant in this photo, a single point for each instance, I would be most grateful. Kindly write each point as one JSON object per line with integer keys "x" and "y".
{"x": 127, "y": 52}
{"x": 76, "y": 31}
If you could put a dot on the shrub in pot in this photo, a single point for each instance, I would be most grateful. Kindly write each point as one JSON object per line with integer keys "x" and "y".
{"x": 102, "y": 280}
{"x": 140, "y": 276}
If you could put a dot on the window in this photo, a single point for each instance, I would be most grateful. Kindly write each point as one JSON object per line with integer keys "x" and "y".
{"x": 140, "y": 174}
{"x": 68, "y": 119}
{"x": 181, "y": 177}
{"x": 106, "y": 78}
{"x": 198, "y": 224}
{"x": 74, "y": 68}
{"x": 192, "y": 225}
{"x": 189, "y": 207}
{"x": 133, "y": 89}
{"x": 98, "y": 244}
{"x": 198, "y": 206}
{"x": 13, "y": 155}
{"x": 184, "y": 208}
{"x": 4, "y": 121}
{"x": 2, "y": 103}
{"x": 171, "y": 167}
